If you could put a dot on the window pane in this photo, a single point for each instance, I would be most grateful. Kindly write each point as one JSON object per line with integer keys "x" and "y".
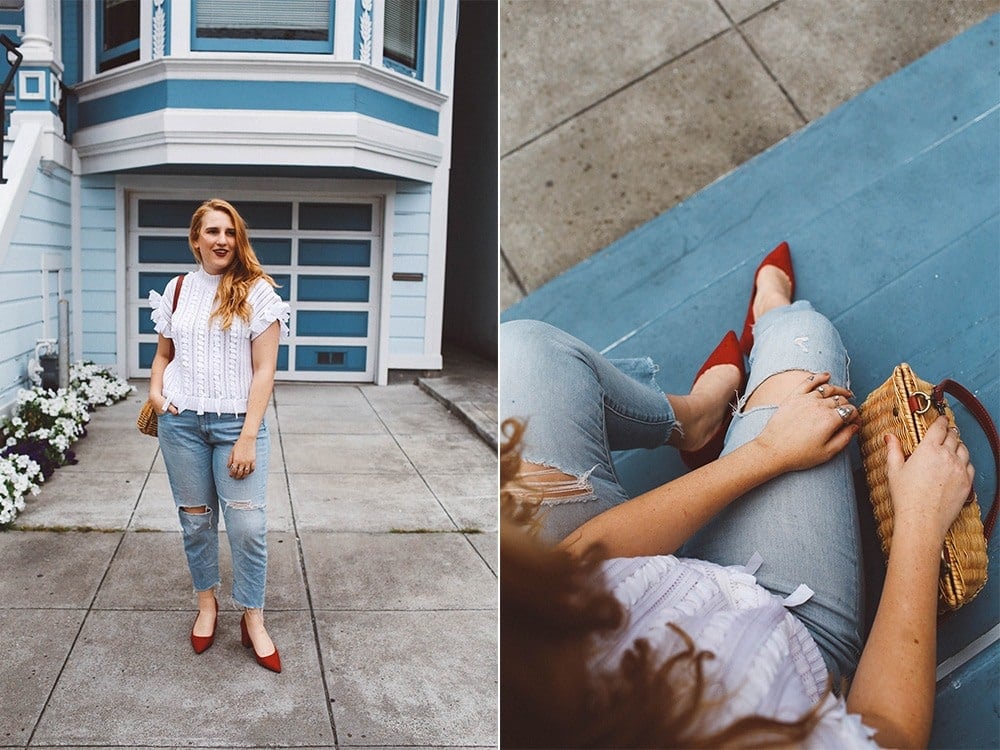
{"x": 121, "y": 23}
{"x": 263, "y": 19}
{"x": 167, "y": 213}
{"x": 346, "y": 217}
{"x": 402, "y": 19}
{"x": 335, "y": 253}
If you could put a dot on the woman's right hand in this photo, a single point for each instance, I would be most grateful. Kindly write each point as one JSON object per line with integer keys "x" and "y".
{"x": 806, "y": 429}
{"x": 929, "y": 488}
{"x": 159, "y": 401}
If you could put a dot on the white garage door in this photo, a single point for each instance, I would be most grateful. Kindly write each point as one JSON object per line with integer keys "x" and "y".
{"x": 325, "y": 255}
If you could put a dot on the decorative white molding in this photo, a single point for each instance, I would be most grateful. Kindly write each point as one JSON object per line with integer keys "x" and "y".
{"x": 159, "y": 30}
{"x": 311, "y": 139}
{"x": 38, "y": 76}
{"x": 365, "y": 29}
{"x": 260, "y": 68}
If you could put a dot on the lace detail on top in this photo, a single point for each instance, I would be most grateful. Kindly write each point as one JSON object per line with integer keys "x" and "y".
{"x": 212, "y": 368}
{"x": 765, "y": 661}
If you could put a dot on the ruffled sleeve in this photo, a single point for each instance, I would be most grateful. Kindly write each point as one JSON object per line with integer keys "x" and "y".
{"x": 838, "y": 728}
{"x": 267, "y": 308}
{"x": 162, "y": 312}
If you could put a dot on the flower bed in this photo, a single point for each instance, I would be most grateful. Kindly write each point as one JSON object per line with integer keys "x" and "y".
{"x": 35, "y": 440}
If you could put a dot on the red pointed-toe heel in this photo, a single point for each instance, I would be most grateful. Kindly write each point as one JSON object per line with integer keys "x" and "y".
{"x": 200, "y": 643}
{"x": 780, "y": 257}
{"x": 728, "y": 352}
{"x": 272, "y": 661}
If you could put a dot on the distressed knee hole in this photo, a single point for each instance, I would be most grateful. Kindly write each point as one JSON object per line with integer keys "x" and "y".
{"x": 241, "y": 504}
{"x": 549, "y": 482}
{"x": 195, "y": 510}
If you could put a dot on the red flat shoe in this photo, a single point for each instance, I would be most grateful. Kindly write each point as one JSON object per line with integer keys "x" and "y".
{"x": 200, "y": 643}
{"x": 780, "y": 257}
{"x": 728, "y": 352}
{"x": 272, "y": 661}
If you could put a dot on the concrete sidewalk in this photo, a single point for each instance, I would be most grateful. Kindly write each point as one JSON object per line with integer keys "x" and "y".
{"x": 382, "y": 589}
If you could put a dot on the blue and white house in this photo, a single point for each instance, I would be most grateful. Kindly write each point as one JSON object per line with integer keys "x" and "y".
{"x": 326, "y": 122}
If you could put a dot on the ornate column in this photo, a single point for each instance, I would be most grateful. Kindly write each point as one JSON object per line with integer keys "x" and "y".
{"x": 37, "y": 86}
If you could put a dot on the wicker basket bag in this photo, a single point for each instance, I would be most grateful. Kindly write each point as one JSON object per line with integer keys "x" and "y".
{"x": 906, "y": 406}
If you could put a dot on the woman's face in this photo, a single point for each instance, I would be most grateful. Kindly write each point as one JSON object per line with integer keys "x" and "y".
{"x": 217, "y": 242}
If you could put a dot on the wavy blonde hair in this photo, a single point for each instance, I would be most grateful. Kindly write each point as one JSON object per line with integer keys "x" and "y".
{"x": 237, "y": 280}
{"x": 553, "y": 608}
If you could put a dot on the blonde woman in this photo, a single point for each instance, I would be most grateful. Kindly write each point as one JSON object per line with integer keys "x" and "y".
{"x": 211, "y": 380}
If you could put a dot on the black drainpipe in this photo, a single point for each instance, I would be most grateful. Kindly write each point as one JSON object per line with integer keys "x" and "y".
{"x": 11, "y": 47}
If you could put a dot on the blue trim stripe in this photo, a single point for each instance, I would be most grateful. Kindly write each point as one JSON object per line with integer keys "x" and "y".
{"x": 259, "y": 95}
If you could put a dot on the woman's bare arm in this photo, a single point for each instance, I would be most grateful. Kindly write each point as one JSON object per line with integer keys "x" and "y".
{"x": 263, "y": 357}
{"x": 893, "y": 688}
{"x": 804, "y": 431}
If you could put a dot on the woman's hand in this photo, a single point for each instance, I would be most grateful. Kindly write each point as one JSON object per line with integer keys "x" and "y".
{"x": 160, "y": 401}
{"x": 929, "y": 489}
{"x": 807, "y": 429}
{"x": 243, "y": 457}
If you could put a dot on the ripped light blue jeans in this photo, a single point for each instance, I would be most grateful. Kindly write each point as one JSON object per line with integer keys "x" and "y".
{"x": 579, "y": 407}
{"x": 196, "y": 449}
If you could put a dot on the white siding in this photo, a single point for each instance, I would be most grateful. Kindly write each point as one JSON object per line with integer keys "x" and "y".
{"x": 41, "y": 239}
{"x": 410, "y": 245}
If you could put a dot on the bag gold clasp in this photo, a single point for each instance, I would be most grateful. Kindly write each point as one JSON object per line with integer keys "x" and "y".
{"x": 918, "y": 406}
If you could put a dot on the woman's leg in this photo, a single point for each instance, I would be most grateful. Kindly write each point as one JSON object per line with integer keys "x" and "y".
{"x": 244, "y": 507}
{"x": 804, "y": 524}
{"x": 579, "y": 406}
{"x": 188, "y": 459}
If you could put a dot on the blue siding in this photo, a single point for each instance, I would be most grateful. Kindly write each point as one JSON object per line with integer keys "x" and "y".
{"x": 44, "y": 227}
{"x": 72, "y": 41}
{"x": 410, "y": 247}
{"x": 97, "y": 202}
{"x": 259, "y": 95}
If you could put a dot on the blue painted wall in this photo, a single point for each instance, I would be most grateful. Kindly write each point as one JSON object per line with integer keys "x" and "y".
{"x": 411, "y": 244}
{"x": 44, "y": 227}
{"x": 97, "y": 219}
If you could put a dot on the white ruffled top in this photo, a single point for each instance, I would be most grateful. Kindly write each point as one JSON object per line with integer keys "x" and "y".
{"x": 766, "y": 663}
{"x": 211, "y": 369}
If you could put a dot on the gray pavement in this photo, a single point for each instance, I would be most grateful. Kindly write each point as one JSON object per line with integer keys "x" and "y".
{"x": 382, "y": 588}
{"x": 613, "y": 112}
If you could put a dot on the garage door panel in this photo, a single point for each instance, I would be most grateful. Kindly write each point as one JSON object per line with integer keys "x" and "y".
{"x": 153, "y": 281}
{"x": 331, "y": 323}
{"x": 272, "y": 251}
{"x": 146, "y": 353}
{"x": 338, "y": 217}
{"x": 334, "y": 288}
{"x": 166, "y": 213}
{"x": 331, "y": 358}
{"x": 284, "y": 288}
{"x": 165, "y": 250}
{"x": 323, "y": 252}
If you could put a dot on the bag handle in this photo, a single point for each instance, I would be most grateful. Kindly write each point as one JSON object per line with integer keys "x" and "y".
{"x": 177, "y": 292}
{"x": 173, "y": 308}
{"x": 976, "y": 408}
